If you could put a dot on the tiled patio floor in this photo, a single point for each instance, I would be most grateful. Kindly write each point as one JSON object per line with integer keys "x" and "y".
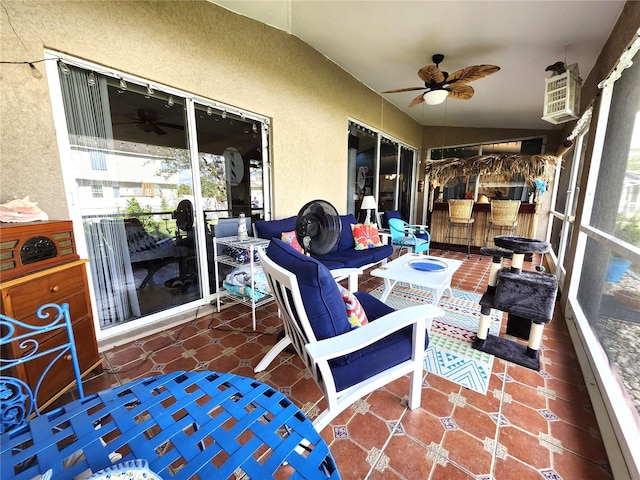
{"x": 530, "y": 425}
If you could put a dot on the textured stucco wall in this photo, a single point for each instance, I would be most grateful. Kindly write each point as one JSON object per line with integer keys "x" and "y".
{"x": 197, "y": 47}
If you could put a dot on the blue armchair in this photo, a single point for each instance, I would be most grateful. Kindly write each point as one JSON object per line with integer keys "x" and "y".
{"x": 411, "y": 237}
{"x": 347, "y": 363}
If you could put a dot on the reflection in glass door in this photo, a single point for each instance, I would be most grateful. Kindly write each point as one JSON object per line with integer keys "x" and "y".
{"x": 389, "y": 176}
{"x": 129, "y": 147}
{"x": 363, "y": 162}
{"x": 231, "y": 161}
{"x": 405, "y": 182}
{"x": 150, "y": 170}
{"x": 381, "y": 167}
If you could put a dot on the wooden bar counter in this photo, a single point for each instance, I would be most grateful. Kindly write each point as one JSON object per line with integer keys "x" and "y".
{"x": 527, "y": 220}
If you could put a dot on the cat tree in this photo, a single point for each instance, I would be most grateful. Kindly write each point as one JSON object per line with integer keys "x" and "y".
{"x": 528, "y": 298}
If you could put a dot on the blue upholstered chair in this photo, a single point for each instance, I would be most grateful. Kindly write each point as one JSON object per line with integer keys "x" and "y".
{"x": 347, "y": 363}
{"x": 411, "y": 237}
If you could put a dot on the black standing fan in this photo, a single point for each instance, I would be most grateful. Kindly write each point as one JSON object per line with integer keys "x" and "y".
{"x": 318, "y": 227}
{"x": 185, "y": 243}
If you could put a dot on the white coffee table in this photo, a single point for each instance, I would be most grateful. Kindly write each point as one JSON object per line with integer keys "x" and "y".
{"x": 399, "y": 270}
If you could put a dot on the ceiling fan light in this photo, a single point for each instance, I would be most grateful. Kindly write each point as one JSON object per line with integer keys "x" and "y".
{"x": 435, "y": 97}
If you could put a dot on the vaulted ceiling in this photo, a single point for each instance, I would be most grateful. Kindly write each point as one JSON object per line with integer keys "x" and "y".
{"x": 384, "y": 43}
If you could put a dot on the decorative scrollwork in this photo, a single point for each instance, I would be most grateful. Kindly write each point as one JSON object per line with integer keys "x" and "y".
{"x": 17, "y": 404}
{"x": 23, "y": 343}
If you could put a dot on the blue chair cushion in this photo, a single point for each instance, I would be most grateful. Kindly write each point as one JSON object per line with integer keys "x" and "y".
{"x": 273, "y": 228}
{"x": 377, "y": 357}
{"x": 318, "y": 289}
{"x": 373, "y": 307}
{"x": 327, "y": 316}
{"x": 346, "y": 236}
{"x": 373, "y": 359}
{"x": 353, "y": 258}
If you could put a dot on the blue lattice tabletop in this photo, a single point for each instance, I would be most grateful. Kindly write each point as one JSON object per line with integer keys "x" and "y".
{"x": 186, "y": 425}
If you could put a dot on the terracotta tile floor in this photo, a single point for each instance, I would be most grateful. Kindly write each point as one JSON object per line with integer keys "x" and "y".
{"x": 530, "y": 425}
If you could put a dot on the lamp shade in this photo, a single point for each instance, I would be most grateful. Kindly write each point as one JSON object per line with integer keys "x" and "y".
{"x": 435, "y": 97}
{"x": 369, "y": 203}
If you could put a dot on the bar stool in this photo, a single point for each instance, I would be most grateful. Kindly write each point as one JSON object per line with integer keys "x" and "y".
{"x": 503, "y": 218}
{"x": 460, "y": 217}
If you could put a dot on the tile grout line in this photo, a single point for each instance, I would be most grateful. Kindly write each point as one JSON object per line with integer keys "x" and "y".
{"x": 386, "y": 443}
{"x": 494, "y": 454}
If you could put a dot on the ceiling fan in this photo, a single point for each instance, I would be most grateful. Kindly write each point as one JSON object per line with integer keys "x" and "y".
{"x": 439, "y": 85}
{"x": 146, "y": 120}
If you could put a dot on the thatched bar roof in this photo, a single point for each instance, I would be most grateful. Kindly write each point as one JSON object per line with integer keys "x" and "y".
{"x": 530, "y": 167}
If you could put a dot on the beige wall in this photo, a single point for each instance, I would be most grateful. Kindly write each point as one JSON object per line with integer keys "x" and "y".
{"x": 437, "y": 136}
{"x": 200, "y": 48}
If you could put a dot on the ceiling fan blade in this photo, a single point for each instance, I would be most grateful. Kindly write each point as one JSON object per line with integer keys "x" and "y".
{"x": 417, "y": 101}
{"x": 460, "y": 91}
{"x": 431, "y": 74}
{"x": 474, "y": 72}
{"x": 170, "y": 125}
{"x": 408, "y": 89}
{"x": 158, "y": 130}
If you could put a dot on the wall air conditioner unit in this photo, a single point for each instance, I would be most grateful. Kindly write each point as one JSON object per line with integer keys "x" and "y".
{"x": 562, "y": 96}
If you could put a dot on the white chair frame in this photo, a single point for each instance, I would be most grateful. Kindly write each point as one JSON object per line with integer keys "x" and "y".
{"x": 316, "y": 354}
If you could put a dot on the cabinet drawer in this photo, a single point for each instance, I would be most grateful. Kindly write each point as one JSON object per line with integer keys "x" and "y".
{"x": 56, "y": 288}
{"x": 77, "y": 309}
{"x": 61, "y": 373}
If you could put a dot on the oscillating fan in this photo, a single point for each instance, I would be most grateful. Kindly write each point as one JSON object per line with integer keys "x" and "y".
{"x": 318, "y": 227}
{"x": 183, "y": 216}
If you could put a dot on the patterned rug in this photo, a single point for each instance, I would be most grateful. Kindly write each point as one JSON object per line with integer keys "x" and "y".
{"x": 450, "y": 354}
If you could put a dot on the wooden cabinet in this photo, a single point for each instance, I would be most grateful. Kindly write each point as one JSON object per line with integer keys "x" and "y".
{"x": 22, "y": 296}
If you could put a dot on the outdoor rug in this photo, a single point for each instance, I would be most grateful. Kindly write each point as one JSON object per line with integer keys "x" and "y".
{"x": 450, "y": 354}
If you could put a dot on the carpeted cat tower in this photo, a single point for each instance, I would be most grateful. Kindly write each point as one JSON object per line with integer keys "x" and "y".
{"x": 528, "y": 298}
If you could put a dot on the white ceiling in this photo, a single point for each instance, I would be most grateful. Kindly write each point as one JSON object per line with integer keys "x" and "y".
{"x": 384, "y": 43}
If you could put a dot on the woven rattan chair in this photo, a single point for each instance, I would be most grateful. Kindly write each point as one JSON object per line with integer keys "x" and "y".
{"x": 460, "y": 219}
{"x": 503, "y": 218}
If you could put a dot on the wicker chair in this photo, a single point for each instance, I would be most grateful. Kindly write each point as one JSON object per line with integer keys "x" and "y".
{"x": 503, "y": 218}
{"x": 460, "y": 218}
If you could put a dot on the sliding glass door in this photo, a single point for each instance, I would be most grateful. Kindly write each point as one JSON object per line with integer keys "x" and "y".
{"x": 388, "y": 178}
{"x": 151, "y": 170}
{"x": 363, "y": 165}
{"x": 382, "y": 167}
{"x": 233, "y": 176}
{"x": 405, "y": 186}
